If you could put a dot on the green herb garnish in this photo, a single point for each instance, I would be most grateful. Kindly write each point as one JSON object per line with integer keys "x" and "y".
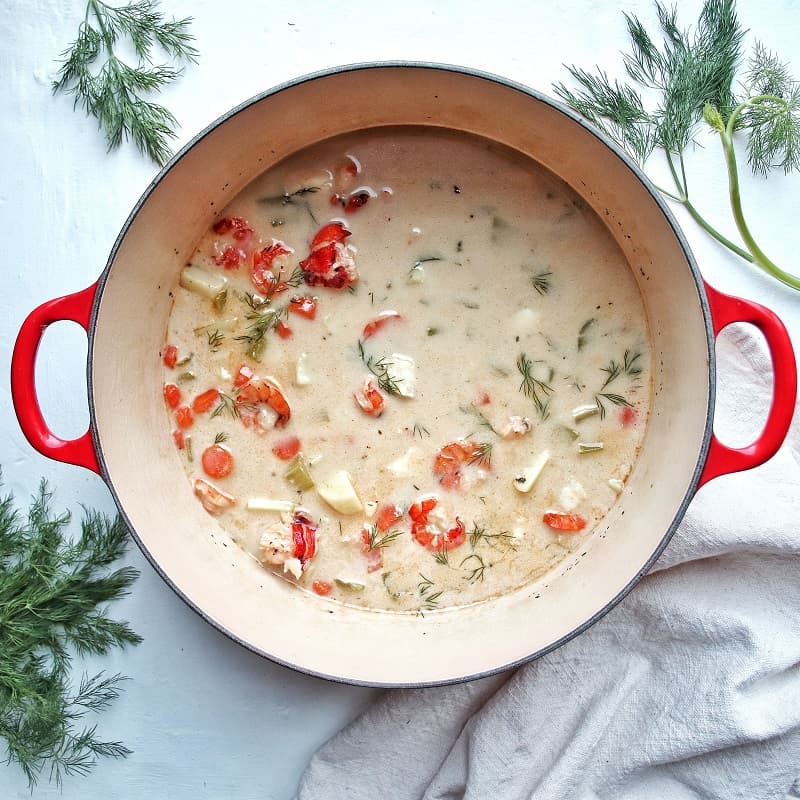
{"x": 691, "y": 78}
{"x": 296, "y": 198}
{"x": 115, "y": 93}
{"x": 479, "y": 534}
{"x": 215, "y": 339}
{"x": 534, "y": 388}
{"x": 430, "y": 598}
{"x": 261, "y": 323}
{"x": 476, "y": 571}
{"x": 53, "y": 595}
{"x": 481, "y": 419}
{"x": 628, "y": 366}
{"x": 380, "y": 367}
{"x": 615, "y": 399}
{"x": 541, "y": 281}
{"x": 483, "y": 455}
{"x": 375, "y": 541}
{"x": 582, "y": 333}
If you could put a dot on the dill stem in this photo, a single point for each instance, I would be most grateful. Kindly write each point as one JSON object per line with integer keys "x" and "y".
{"x": 758, "y": 257}
{"x": 683, "y": 199}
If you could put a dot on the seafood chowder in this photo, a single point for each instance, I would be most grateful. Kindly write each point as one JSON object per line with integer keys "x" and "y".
{"x": 407, "y": 369}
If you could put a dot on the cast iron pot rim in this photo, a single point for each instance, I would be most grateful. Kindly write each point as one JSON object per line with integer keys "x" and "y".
{"x": 623, "y": 157}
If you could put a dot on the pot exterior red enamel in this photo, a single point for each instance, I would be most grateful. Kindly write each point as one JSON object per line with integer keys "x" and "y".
{"x": 680, "y": 452}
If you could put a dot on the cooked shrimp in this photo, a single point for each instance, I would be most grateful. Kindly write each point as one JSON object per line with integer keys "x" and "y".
{"x": 370, "y": 398}
{"x": 428, "y": 526}
{"x": 451, "y": 460}
{"x": 214, "y": 500}
{"x": 268, "y": 392}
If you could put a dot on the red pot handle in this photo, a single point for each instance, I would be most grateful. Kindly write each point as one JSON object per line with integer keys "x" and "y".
{"x": 78, "y": 308}
{"x": 721, "y": 459}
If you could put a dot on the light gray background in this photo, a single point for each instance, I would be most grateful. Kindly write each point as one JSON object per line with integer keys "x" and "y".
{"x": 205, "y": 718}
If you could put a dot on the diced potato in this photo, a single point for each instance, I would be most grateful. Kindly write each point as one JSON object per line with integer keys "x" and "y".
{"x": 350, "y": 585}
{"x": 403, "y": 371}
{"x": 527, "y": 478}
{"x": 616, "y": 485}
{"x": 207, "y": 284}
{"x": 227, "y": 324}
{"x": 302, "y": 377}
{"x": 338, "y": 492}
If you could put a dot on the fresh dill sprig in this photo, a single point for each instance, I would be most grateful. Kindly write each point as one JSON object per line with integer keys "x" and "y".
{"x": 628, "y": 366}
{"x": 115, "y": 92}
{"x": 479, "y": 534}
{"x": 615, "y": 399}
{"x": 53, "y": 596}
{"x": 541, "y": 281}
{"x": 375, "y": 541}
{"x": 228, "y": 405}
{"x": 583, "y": 332}
{"x": 442, "y": 557}
{"x": 220, "y": 438}
{"x": 215, "y": 339}
{"x": 296, "y": 278}
{"x": 692, "y": 76}
{"x": 296, "y": 198}
{"x": 482, "y": 455}
{"x": 430, "y": 598}
{"x": 533, "y": 388}
{"x": 474, "y": 573}
{"x": 380, "y": 368}
{"x": 420, "y": 430}
{"x": 261, "y": 323}
{"x": 480, "y": 417}
{"x": 289, "y": 198}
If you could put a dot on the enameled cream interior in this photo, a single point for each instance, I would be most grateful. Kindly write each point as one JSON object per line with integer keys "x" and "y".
{"x": 510, "y": 263}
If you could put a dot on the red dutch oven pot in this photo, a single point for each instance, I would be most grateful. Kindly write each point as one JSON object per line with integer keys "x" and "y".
{"x": 126, "y": 312}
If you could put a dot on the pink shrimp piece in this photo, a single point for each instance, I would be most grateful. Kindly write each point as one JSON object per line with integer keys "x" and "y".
{"x": 266, "y": 391}
{"x": 214, "y": 500}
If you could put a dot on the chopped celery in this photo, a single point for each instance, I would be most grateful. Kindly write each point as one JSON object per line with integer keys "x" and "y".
{"x": 201, "y": 282}
{"x": 581, "y": 412}
{"x": 590, "y": 447}
{"x": 350, "y": 586}
{"x": 219, "y": 300}
{"x": 299, "y": 474}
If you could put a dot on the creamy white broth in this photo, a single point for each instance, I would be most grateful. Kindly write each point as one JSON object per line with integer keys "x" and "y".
{"x": 496, "y": 269}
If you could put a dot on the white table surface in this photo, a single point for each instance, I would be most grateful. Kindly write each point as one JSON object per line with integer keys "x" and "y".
{"x": 204, "y": 717}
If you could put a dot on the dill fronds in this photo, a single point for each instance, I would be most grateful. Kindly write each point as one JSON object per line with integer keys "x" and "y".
{"x": 533, "y": 388}
{"x": 114, "y": 92}
{"x": 375, "y": 541}
{"x": 53, "y": 593}
{"x": 541, "y": 281}
{"x": 380, "y": 368}
{"x": 692, "y": 76}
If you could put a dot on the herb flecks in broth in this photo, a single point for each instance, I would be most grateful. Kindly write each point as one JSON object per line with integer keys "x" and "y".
{"x": 375, "y": 421}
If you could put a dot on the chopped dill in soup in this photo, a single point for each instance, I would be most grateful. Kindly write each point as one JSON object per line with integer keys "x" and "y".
{"x": 407, "y": 369}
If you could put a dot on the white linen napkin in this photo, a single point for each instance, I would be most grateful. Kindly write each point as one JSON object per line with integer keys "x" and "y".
{"x": 690, "y": 688}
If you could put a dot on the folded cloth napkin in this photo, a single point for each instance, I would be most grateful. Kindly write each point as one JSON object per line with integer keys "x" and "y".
{"x": 689, "y": 688}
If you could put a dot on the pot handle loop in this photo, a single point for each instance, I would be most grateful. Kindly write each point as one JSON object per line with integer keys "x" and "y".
{"x": 724, "y": 311}
{"x": 76, "y": 307}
